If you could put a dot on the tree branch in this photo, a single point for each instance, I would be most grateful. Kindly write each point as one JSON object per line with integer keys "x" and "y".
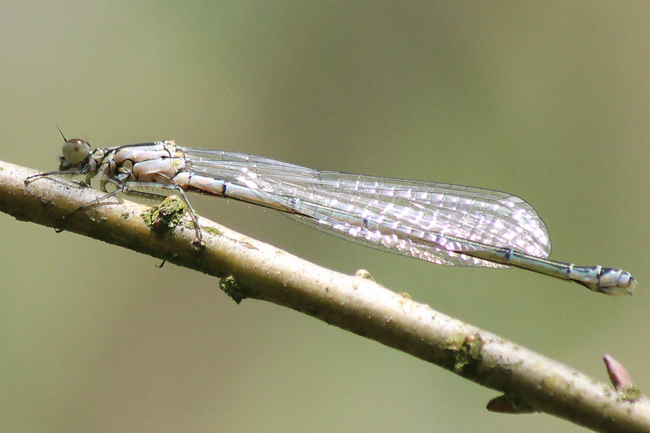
{"x": 251, "y": 269}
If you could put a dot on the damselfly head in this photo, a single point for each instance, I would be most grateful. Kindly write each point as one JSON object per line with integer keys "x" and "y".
{"x": 75, "y": 151}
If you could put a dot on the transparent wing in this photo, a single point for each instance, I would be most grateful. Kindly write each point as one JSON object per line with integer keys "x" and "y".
{"x": 425, "y": 220}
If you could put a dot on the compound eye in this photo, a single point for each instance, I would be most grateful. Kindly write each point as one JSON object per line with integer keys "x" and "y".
{"x": 75, "y": 150}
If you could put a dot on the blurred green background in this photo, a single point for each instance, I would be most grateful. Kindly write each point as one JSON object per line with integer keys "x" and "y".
{"x": 549, "y": 101}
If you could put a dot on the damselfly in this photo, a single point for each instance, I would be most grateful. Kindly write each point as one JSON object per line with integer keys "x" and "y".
{"x": 441, "y": 223}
